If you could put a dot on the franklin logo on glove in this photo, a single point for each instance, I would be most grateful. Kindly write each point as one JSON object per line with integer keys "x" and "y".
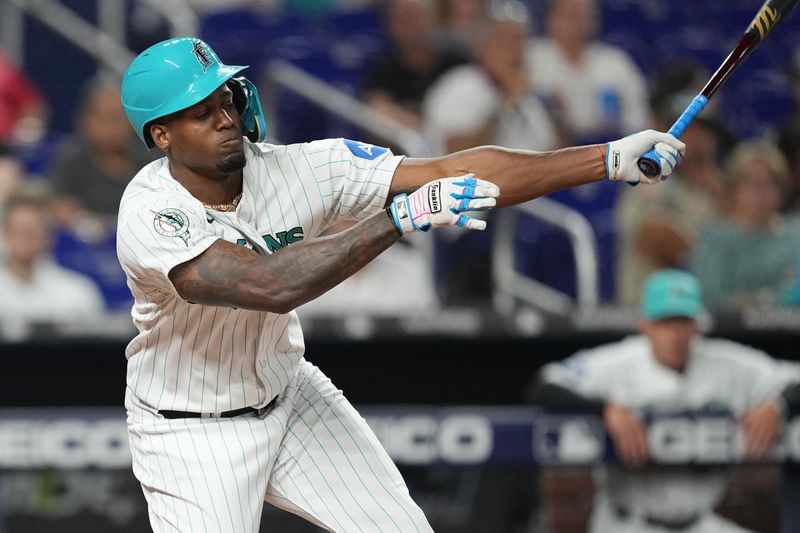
{"x": 433, "y": 196}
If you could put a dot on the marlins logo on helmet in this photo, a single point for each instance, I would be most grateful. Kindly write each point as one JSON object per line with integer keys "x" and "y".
{"x": 199, "y": 50}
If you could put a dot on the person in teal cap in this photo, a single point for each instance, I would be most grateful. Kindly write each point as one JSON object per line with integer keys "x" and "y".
{"x": 669, "y": 370}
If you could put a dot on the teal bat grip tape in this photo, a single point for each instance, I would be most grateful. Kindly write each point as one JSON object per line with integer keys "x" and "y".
{"x": 648, "y": 163}
{"x": 694, "y": 109}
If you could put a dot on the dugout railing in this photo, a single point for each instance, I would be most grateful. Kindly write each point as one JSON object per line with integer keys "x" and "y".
{"x": 103, "y": 40}
{"x": 511, "y": 286}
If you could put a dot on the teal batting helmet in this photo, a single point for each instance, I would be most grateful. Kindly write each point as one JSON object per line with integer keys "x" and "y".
{"x": 178, "y": 73}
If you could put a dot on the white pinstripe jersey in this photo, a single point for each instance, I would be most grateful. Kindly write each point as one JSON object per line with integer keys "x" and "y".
{"x": 628, "y": 373}
{"x": 199, "y": 358}
{"x": 721, "y": 378}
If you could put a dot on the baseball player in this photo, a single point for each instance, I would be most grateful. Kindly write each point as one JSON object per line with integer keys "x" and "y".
{"x": 668, "y": 369}
{"x": 219, "y": 240}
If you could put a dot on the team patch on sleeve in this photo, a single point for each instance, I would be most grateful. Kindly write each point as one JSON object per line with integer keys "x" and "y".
{"x": 570, "y": 371}
{"x": 364, "y": 150}
{"x": 172, "y": 222}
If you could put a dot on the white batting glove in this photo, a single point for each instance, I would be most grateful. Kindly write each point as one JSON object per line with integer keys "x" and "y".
{"x": 623, "y": 156}
{"x": 442, "y": 203}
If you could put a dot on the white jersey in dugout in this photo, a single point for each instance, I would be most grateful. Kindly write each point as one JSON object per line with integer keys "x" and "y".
{"x": 199, "y": 358}
{"x": 722, "y": 378}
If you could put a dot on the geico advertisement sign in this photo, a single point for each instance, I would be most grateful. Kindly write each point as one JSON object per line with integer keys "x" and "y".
{"x": 74, "y": 443}
{"x": 673, "y": 440}
{"x": 64, "y": 443}
{"x": 424, "y": 439}
{"x": 413, "y": 439}
{"x": 712, "y": 440}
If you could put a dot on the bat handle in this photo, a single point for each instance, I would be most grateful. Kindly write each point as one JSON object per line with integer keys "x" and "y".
{"x": 648, "y": 163}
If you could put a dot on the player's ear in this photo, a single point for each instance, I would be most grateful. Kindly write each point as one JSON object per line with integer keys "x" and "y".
{"x": 158, "y": 132}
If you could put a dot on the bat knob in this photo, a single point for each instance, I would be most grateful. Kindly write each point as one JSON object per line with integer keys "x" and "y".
{"x": 648, "y": 164}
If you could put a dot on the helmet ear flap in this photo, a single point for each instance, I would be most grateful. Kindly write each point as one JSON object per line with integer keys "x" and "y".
{"x": 245, "y": 98}
{"x": 239, "y": 95}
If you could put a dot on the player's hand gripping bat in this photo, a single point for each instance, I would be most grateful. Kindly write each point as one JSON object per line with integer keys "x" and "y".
{"x": 770, "y": 14}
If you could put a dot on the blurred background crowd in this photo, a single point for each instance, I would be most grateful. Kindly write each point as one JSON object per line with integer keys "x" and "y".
{"x": 427, "y": 77}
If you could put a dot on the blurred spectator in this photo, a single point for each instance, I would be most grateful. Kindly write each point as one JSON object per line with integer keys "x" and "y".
{"x": 459, "y": 22}
{"x": 22, "y": 109}
{"x": 490, "y": 101}
{"x": 596, "y": 88}
{"x": 669, "y": 370}
{"x": 395, "y": 84}
{"x": 747, "y": 256}
{"x": 789, "y": 144}
{"x": 146, "y": 25}
{"x": 675, "y": 85}
{"x": 657, "y": 226}
{"x": 789, "y": 137}
{"x": 11, "y": 173}
{"x": 92, "y": 167}
{"x": 40, "y": 290}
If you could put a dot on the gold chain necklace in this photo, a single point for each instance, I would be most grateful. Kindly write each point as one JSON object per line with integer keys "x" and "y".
{"x": 225, "y": 207}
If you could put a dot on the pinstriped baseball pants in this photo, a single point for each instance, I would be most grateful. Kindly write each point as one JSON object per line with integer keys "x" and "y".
{"x": 312, "y": 454}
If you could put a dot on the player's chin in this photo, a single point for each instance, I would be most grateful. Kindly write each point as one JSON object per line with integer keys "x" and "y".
{"x": 231, "y": 162}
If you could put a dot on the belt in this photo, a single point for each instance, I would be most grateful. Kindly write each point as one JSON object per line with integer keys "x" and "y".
{"x": 624, "y": 513}
{"x": 166, "y": 413}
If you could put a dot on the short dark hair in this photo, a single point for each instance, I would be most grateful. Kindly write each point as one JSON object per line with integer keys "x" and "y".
{"x": 91, "y": 88}
{"x": 33, "y": 194}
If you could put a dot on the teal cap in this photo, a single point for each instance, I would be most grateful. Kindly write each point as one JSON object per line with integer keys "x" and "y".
{"x": 170, "y": 76}
{"x": 671, "y": 293}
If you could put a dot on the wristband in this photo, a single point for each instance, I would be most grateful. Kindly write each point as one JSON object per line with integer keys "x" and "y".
{"x": 391, "y": 219}
{"x": 401, "y": 214}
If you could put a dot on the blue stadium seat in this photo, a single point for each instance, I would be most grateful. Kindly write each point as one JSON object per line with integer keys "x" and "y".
{"x": 249, "y": 37}
{"x": 637, "y": 47}
{"x": 702, "y": 45}
{"x": 37, "y": 157}
{"x": 544, "y": 251}
{"x": 98, "y": 261}
{"x": 356, "y": 39}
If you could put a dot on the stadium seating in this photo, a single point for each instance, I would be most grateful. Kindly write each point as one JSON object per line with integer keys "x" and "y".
{"x": 338, "y": 45}
{"x": 97, "y": 259}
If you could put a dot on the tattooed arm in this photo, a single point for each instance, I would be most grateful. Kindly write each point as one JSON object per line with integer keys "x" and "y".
{"x": 233, "y": 276}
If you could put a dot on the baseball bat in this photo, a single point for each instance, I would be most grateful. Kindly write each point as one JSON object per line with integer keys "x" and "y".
{"x": 770, "y": 14}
